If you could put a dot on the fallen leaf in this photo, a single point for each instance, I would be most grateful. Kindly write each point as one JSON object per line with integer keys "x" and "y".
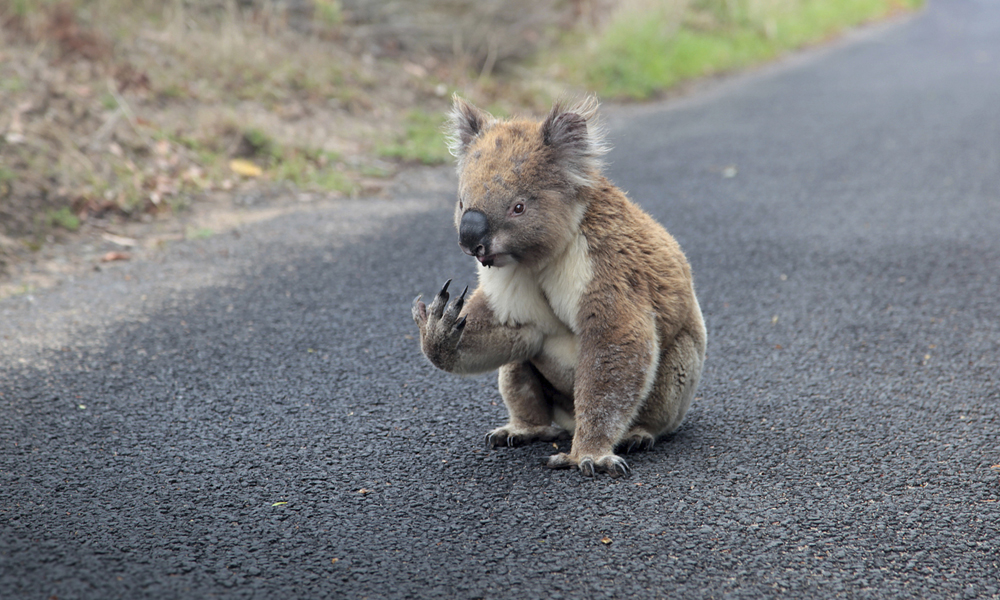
{"x": 279, "y": 503}
{"x": 605, "y": 540}
{"x": 334, "y": 560}
{"x": 245, "y": 168}
{"x": 997, "y": 467}
{"x": 364, "y": 491}
{"x": 113, "y": 256}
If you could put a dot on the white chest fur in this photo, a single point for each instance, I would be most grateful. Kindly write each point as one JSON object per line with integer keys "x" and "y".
{"x": 565, "y": 280}
{"x": 547, "y": 298}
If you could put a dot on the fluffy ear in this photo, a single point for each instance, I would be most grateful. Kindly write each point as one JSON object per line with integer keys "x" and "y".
{"x": 465, "y": 124}
{"x": 577, "y": 139}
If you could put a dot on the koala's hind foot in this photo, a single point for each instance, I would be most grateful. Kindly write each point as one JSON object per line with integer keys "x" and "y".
{"x": 612, "y": 464}
{"x": 508, "y": 435}
{"x": 637, "y": 439}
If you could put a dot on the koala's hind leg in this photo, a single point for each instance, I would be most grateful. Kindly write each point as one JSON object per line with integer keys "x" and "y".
{"x": 677, "y": 379}
{"x": 529, "y": 404}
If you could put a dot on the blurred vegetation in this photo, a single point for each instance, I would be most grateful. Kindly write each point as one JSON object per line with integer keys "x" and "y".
{"x": 647, "y": 46}
{"x": 421, "y": 140}
{"x": 124, "y": 109}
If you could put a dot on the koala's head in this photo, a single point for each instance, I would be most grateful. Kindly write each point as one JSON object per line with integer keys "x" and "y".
{"x": 519, "y": 185}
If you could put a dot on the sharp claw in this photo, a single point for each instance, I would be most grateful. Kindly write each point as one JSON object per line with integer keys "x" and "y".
{"x": 419, "y": 310}
{"x": 465, "y": 291}
{"x": 440, "y": 302}
{"x": 587, "y": 467}
{"x": 460, "y": 324}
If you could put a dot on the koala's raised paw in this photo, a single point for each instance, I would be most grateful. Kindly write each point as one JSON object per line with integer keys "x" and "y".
{"x": 611, "y": 464}
{"x": 440, "y": 326}
{"x": 513, "y": 436}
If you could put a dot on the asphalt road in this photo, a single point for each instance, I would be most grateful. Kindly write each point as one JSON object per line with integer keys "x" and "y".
{"x": 249, "y": 416}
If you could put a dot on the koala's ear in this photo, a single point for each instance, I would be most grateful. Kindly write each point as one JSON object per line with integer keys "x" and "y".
{"x": 465, "y": 124}
{"x": 577, "y": 140}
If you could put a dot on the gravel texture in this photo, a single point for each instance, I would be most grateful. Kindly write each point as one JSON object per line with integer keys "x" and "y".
{"x": 250, "y": 417}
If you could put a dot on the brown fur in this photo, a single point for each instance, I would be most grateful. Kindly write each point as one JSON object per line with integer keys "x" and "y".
{"x": 589, "y": 311}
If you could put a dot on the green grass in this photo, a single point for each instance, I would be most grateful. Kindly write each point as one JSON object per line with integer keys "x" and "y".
{"x": 329, "y": 12}
{"x": 6, "y": 176}
{"x": 642, "y": 52}
{"x": 12, "y": 84}
{"x": 201, "y": 233}
{"x": 260, "y": 144}
{"x": 310, "y": 170}
{"x": 305, "y": 167}
{"x": 64, "y": 218}
{"x": 423, "y": 140}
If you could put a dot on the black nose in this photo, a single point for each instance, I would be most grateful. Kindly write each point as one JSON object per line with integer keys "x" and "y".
{"x": 472, "y": 232}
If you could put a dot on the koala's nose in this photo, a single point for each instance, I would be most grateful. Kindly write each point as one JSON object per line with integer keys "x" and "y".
{"x": 472, "y": 231}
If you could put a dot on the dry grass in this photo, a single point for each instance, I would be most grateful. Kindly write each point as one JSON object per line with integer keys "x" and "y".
{"x": 115, "y": 107}
{"x": 126, "y": 109}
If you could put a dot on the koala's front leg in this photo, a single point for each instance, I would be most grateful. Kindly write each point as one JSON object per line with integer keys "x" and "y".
{"x": 466, "y": 338}
{"x": 608, "y": 396}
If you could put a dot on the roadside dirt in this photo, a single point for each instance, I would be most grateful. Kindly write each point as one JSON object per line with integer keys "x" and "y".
{"x": 111, "y": 148}
{"x": 116, "y": 144}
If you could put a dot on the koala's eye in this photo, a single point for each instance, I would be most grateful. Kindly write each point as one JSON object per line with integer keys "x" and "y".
{"x": 518, "y": 208}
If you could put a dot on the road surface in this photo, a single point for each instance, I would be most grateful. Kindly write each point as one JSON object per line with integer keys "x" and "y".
{"x": 249, "y": 416}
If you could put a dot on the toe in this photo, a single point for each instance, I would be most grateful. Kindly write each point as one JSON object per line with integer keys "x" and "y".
{"x": 559, "y": 461}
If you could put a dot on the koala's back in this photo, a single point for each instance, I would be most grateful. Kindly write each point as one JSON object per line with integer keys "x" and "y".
{"x": 636, "y": 263}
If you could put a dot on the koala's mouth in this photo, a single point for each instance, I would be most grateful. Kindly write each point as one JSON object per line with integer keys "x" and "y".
{"x": 495, "y": 260}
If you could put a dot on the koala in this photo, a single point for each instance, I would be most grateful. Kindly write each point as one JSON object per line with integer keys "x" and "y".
{"x": 585, "y": 304}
